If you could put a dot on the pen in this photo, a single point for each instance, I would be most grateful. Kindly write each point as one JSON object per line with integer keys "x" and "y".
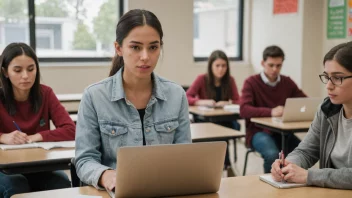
{"x": 18, "y": 128}
{"x": 282, "y": 162}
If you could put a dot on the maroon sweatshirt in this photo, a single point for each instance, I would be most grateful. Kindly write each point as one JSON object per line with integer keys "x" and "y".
{"x": 197, "y": 90}
{"x": 258, "y": 99}
{"x": 32, "y": 123}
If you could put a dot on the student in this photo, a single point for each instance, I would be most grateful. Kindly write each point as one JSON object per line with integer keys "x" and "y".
{"x": 133, "y": 107}
{"x": 215, "y": 88}
{"x": 329, "y": 138}
{"x": 264, "y": 95}
{"x": 25, "y": 110}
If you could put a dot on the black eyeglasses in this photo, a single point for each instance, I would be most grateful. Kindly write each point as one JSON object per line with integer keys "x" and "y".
{"x": 336, "y": 80}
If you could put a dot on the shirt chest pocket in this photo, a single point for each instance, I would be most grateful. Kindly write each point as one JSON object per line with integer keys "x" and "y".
{"x": 166, "y": 131}
{"x": 113, "y": 135}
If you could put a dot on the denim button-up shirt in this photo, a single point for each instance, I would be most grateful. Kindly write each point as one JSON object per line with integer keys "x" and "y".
{"x": 108, "y": 121}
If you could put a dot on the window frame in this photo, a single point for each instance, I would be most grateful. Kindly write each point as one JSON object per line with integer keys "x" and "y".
{"x": 240, "y": 37}
{"x": 32, "y": 37}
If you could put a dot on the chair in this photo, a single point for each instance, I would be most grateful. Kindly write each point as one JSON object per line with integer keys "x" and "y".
{"x": 74, "y": 178}
{"x": 249, "y": 150}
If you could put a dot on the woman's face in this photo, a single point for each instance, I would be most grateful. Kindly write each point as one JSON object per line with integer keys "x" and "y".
{"x": 22, "y": 73}
{"x": 219, "y": 68}
{"x": 140, "y": 51}
{"x": 338, "y": 94}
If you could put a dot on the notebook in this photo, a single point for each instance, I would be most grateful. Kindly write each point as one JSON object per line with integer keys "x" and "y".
{"x": 44, "y": 145}
{"x": 268, "y": 179}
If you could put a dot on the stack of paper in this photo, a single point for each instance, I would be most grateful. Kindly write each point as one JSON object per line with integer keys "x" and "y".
{"x": 44, "y": 145}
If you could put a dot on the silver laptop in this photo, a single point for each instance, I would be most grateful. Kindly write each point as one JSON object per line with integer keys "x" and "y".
{"x": 300, "y": 109}
{"x": 169, "y": 170}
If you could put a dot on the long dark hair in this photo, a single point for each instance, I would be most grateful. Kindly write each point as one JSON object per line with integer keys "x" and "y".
{"x": 6, "y": 91}
{"x": 226, "y": 88}
{"x": 342, "y": 54}
{"x": 127, "y": 22}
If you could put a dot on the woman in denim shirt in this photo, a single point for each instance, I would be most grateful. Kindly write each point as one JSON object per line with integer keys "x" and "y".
{"x": 133, "y": 107}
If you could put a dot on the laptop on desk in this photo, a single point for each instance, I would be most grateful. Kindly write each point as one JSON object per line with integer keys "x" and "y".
{"x": 300, "y": 109}
{"x": 169, "y": 170}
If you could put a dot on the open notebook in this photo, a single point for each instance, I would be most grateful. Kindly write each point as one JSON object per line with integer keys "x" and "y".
{"x": 44, "y": 145}
{"x": 268, "y": 179}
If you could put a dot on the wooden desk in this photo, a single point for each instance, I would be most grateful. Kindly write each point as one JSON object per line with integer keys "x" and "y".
{"x": 284, "y": 128}
{"x": 35, "y": 160}
{"x": 233, "y": 187}
{"x": 214, "y": 115}
{"x": 212, "y": 132}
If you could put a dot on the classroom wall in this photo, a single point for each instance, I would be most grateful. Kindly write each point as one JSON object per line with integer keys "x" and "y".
{"x": 329, "y": 43}
{"x": 298, "y": 34}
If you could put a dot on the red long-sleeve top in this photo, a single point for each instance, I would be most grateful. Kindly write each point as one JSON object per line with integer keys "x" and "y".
{"x": 197, "y": 90}
{"x": 32, "y": 123}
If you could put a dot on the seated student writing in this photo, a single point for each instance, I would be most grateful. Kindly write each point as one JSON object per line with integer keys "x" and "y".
{"x": 133, "y": 107}
{"x": 215, "y": 88}
{"x": 329, "y": 138}
{"x": 25, "y": 110}
{"x": 264, "y": 95}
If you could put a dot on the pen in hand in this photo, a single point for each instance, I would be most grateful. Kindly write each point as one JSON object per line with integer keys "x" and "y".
{"x": 282, "y": 162}
{"x": 18, "y": 128}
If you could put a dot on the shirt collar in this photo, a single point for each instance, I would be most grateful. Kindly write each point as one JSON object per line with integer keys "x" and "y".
{"x": 118, "y": 91}
{"x": 266, "y": 80}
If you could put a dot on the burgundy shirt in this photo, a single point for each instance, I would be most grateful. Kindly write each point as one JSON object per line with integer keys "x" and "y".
{"x": 258, "y": 99}
{"x": 32, "y": 123}
{"x": 197, "y": 90}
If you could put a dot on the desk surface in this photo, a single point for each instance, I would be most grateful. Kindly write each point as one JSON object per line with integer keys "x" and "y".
{"x": 210, "y": 112}
{"x": 69, "y": 97}
{"x": 202, "y": 131}
{"x": 20, "y": 157}
{"x": 271, "y": 122}
{"x": 244, "y": 187}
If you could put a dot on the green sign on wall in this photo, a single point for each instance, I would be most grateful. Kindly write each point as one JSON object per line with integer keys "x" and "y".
{"x": 336, "y": 19}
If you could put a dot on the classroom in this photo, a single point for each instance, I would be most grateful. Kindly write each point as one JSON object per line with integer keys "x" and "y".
{"x": 186, "y": 98}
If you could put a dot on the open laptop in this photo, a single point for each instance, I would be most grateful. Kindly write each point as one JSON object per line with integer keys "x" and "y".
{"x": 300, "y": 109}
{"x": 169, "y": 170}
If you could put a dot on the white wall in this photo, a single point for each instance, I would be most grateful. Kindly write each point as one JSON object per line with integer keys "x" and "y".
{"x": 298, "y": 34}
{"x": 283, "y": 30}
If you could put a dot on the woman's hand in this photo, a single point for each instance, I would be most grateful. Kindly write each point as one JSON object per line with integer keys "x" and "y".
{"x": 15, "y": 137}
{"x": 108, "y": 179}
{"x": 35, "y": 138}
{"x": 295, "y": 174}
{"x": 208, "y": 103}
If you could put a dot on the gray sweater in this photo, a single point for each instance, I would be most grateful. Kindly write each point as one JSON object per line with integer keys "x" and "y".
{"x": 318, "y": 145}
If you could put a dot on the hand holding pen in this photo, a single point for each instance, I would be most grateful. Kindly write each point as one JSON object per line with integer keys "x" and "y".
{"x": 15, "y": 137}
{"x": 282, "y": 162}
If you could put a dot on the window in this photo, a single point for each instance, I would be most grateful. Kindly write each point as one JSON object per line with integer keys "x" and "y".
{"x": 217, "y": 24}
{"x": 62, "y": 30}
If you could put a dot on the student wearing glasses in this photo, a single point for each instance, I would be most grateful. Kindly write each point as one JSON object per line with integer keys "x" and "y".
{"x": 133, "y": 107}
{"x": 329, "y": 138}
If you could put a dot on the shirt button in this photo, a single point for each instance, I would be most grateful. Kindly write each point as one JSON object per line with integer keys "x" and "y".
{"x": 147, "y": 130}
{"x": 113, "y": 132}
{"x": 168, "y": 128}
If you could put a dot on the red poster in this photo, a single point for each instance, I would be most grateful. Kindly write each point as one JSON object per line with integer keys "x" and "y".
{"x": 285, "y": 6}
